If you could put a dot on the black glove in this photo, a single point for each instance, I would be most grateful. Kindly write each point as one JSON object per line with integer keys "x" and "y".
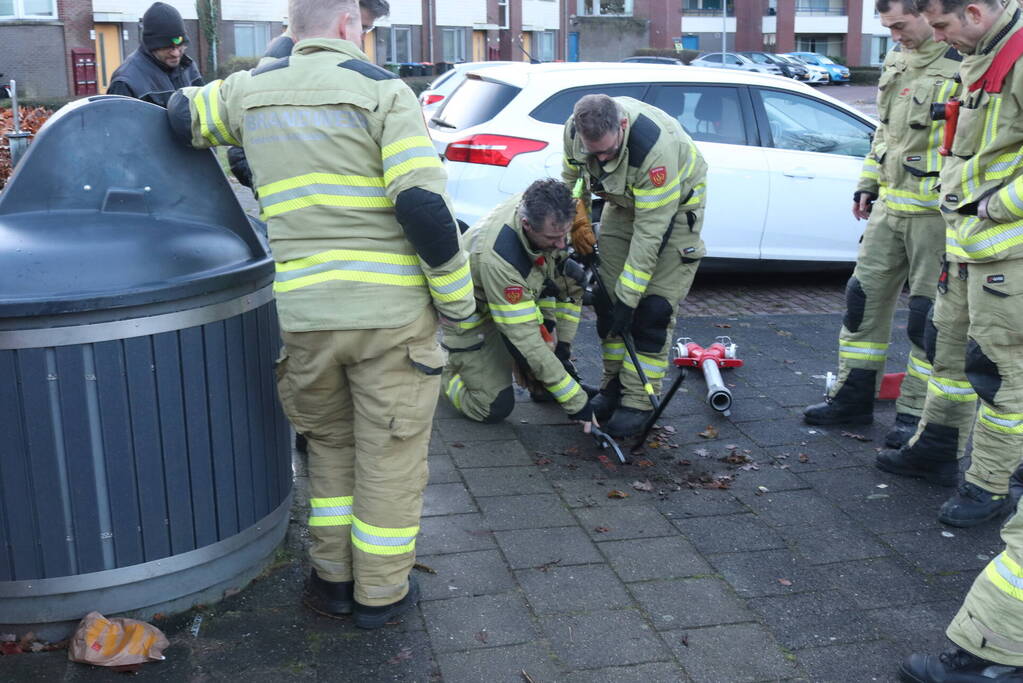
{"x": 871, "y": 197}
{"x": 584, "y": 415}
{"x": 239, "y": 165}
{"x": 621, "y": 319}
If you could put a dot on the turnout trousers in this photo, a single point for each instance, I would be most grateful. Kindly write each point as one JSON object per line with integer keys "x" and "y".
{"x": 478, "y": 376}
{"x": 990, "y": 622}
{"x": 364, "y": 399}
{"x": 654, "y": 319}
{"x": 894, "y": 249}
{"x": 951, "y": 402}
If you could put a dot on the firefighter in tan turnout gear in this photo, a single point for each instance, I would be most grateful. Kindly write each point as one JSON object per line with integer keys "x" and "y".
{"x": 982, "y": 201}
{"x": 368, "y": 253}
{"x": 653, "y": 182}
{"x": 904, "y": 239}
{"x": 517, "y": 257}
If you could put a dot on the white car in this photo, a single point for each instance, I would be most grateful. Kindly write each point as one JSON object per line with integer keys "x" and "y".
{"x": 731, "y": 60}
{"x": 442, "y": 86}
{"x": 818, "y": 74}
{"x": 784, "y": 159}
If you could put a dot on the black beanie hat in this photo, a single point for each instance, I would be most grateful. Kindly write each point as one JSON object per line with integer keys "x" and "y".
{"x": 162, "y": 26}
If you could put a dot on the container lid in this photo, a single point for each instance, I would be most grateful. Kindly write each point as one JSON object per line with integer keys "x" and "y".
{"x": 106, "y": 210}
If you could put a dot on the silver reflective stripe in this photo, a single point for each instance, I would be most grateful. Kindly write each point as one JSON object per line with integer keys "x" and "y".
{"x": 648, "y": 198}
{"x": 949, "y": 389}
{"x": 332, "y": 511}
{"x": 454, "y": 286}
{"x": 365, "y": 266}
{"x": 381, "y": 540}
{"x": 922, "y": 369}
{"x": 626, "y": 275}
{"x": 208, "y": 93}
{"x": 322, "y": 188}
{"x": 880, "y": 353}
{"x": 1007, "y": 574}
{"x": 992, "y": 242}
{"x": 405, "y": 155}
{"x": 912, "y": 201}
{"x": 517, "y": 313}
{"x": 1010, "y": 424}
{"x": 1014, "y": 196}
{"x": 568, "y": 388}
{"x": 1005, "y": 165}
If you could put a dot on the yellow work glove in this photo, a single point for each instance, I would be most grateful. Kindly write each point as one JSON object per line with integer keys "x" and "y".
{"x": 582, "y": 235}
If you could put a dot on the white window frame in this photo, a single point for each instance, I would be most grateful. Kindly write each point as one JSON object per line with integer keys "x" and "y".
{"x": 502, "y": 14}
{"x": 595, "y": 10}
{"x": 19, "y": 12}
{"x": 406, "y": 31}
{"x": 538, "y": 38}
{"x": 260, "y": 34}
{"x": 459, "y": 44}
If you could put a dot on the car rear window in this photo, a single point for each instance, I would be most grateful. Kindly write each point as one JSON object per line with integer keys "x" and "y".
{"x": 557, "y": 108}
{"x": 473, "y": 102}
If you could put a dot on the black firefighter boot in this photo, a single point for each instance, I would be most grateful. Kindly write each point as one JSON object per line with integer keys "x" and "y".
{"x": 329, "y": 598}
{"x": 627, "y": 421}
{"x": 902, "y": 431}
{"x": 853, "y": 403}
{"x": 956, "y": 666}
{"x": 971, "y": 505}
{"x": 932, "y": 457}
{"x": 607, "y": 400}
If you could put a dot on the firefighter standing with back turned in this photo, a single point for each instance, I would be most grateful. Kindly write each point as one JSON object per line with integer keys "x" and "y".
{"x": 653, "y": 181}
{"x": 367, "y": 253}
{"x": 904, "y": 239}
{"x": 982, "y": 200}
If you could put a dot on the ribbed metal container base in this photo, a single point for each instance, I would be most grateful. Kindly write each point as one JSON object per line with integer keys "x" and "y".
{"x": 52, "y": 608}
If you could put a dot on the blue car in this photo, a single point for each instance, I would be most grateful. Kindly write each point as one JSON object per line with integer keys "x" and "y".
{"x": 838, "y": 73}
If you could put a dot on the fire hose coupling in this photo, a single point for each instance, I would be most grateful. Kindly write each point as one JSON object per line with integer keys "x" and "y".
{"x": 721, "y": 354}
{"x": 949, "y": 113}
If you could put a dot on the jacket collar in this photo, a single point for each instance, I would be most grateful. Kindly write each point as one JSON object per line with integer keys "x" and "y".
{"x": 1003, "y": 27}
{"x": 928, "y": 53}
{"x": 344, "y": 47}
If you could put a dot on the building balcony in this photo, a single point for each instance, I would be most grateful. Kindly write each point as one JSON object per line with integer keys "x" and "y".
{"x": 821, "y": 8}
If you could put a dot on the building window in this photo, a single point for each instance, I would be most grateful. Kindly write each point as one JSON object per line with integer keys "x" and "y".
{"x": 28, "y": 9}
{"x": 825, "y": 8}
{"x": 706, "y": 7}
{"x": 251, "y": 38}
{"x": 543, "y": 45}
{"x": 830, "y": 45}
{"x": 593, "y": 8}
{"x": 453, "y": 42}
{"x": 399, "y": 48}
{"x": 502, "y": 13}
{"x": 879, "y": 47}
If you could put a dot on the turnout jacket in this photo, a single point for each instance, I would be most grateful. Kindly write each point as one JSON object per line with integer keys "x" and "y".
{"x": 512, "y": 282}
{"x": 903, "y": 166}
{"x": 349, "y": 183}
{"x": 987, "y": 156}
{"x": 144, "y": 77}
{"x": 659, "y": 176}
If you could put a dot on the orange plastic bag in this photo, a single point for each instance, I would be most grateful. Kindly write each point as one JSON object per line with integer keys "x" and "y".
{"x": 116, "y": 642}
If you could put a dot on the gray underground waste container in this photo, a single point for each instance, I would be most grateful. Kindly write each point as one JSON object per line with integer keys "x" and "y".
{"x": 144, "y": 461}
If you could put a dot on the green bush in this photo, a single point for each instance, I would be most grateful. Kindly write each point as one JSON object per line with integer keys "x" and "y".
{"x": 236, "y": 64}
{"x": 53, "y": 103}
{"x": 864, "y": 75}
{"x": 685, "y": 56}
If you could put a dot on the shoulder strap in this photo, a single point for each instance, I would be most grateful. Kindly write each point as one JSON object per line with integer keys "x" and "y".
{"x": 994, "y": 77}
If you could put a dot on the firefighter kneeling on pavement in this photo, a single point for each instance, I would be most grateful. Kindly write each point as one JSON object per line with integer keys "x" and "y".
{"x": 517, "y": 256}
{"x": 653, "y": 182}
{"x": 367, "y": 254}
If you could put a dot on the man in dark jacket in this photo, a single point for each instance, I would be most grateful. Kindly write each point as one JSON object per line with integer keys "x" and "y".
{"x": 159, "y": 66}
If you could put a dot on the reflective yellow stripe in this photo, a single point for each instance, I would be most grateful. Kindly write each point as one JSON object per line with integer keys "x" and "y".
{"x": 613, "y": 350}
{"x": 207, "y": 106}
{"x": 985, "y": 243}
{"x": 697, "y": 197}
{"x": 451, "y": 287}
{"x": 1005, "y": 423}
{"x": 336, "y": 511}
{"x": 1006, "y": 575}
{"x": 872, "y": 351}
{"x": 565, "y": 389}
{"x": 919, "y": 369}
{"x": 454, "y": 391}
{"x": 1004, "y": 165}
{"x": 349, "y": 265}
{"x": 1011, "y": 197}
{"x": 473, "y": 321}
{"x": 634, "y": 278}
{"x": 951, "y": 389}
{"x": 322, "y": 189}
{"x": 654, "y": 368}
{"x": 569, "y": 311}
{"x": 510, "y": 314}
{"x": 378, "y": 540}
{"x": 870, "y": 169}
{"x": 408, "y": 154}
{"x": 903, "y": 200}
{"x": 320, "y": 178}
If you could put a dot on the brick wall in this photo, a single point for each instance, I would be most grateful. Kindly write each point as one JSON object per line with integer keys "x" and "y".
{"x": 77, "y": 18}
{"x": 34, "y": 55}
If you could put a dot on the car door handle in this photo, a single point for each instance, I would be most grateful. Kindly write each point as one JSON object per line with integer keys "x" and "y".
{"x": 800, "y": 172}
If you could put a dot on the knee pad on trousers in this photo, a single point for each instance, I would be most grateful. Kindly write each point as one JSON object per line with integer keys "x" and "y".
{"x": 916, "y": 324}
{"x": 602, "y": 307}
{"x": 855, "y": 304}
{"x": 982, "y": 372}
{"x": 650, "y": 324}
{"x": 930, "y": 335}
{"x": 501, "y": 407}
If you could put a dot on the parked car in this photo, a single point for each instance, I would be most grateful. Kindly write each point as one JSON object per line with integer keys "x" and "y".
{"x": 837, "y": 72}
{"x": 651, "y": 59}
{"x": 788, "y": 69}
{"x": 445, "y": 84}
{"x": 731, "y": 60}
{"x": 784, "y": 159}
{"x": 815, "y": 75}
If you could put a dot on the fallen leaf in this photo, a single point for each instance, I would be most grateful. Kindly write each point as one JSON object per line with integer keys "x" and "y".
{"x": 481, "y": 636}
{"x": 543, "y": 461}
{"x": 785, "y": 582}
{"x": 723, "y": 325}
{"x": 8, "y": 648}
{"x": 854, "y": 435}
{"x": 615, "y": 493}
{"x": 734, "y": 458}
{"x": 644, "y": 463}
{"x": 654, "y": 444}
{"x": 684, "y": 639}
{"x": 424, "y": 568}
{"x": 711, "y": 432}
{"x": 684, "y": 463}
{"x": 643, "y": 485}
{"x": 602, "y": 529}
{"x": 732, "y": 447}
{"x": 458, "y": 444}
{"x": 803, "y": 457}
{"x": 402, "y": 654}
{"x": 784, "y": 333}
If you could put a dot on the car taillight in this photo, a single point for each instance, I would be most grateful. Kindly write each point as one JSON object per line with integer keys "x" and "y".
{"x": 494, "y": 150}
{"x": 432, "y": 99}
